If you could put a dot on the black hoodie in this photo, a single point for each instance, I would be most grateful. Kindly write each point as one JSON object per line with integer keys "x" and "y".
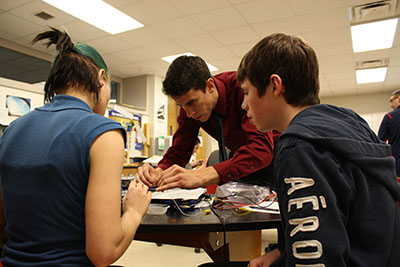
{"x": 338, "y": 192}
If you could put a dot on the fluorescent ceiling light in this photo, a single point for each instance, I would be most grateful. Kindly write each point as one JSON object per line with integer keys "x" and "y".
{"x": 169, "y": 59}
{"x": 98, "y": 14}
{"x": 374, "y": 75}
{"x": 374, "y": 35}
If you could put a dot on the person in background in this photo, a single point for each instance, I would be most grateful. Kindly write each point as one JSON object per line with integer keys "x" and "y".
{"x": 193, "y": 162}
{"x": 335, "y": 178}
{"x": 207, "y": 102}
{"x": 389, "y": 131}
{"x": 60, "y": 170}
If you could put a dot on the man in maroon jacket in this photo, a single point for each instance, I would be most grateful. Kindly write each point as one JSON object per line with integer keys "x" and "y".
{"x": 204, "y": 98}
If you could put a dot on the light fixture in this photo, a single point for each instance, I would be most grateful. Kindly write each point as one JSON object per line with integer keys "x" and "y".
{"x": 169, "y": 59}
{"x": 97, "y": 13}
{"x": 374, "y": 35}
{"x": 374, "y": 75}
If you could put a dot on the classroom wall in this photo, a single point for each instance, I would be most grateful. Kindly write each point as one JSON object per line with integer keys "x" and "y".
{"x": 10, "y": 87}
{"x": 362, "y": 104}
{"x": 371, "y": 107}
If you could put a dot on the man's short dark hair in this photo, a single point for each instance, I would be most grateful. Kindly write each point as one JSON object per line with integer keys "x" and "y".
{"x": 289, "y": 57}
{"x": 185, "y": 73}
{"x": 396, "y": 93}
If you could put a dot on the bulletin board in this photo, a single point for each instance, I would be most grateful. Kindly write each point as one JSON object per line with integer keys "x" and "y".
{"x": 129, "y": 125}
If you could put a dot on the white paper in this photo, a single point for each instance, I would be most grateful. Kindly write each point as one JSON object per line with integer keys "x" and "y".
{"x": 123, "y": 111}
{"x": 179, "y": 193}
{"x": 266, "y": 207}
{"x": 3, "y": 116}
{"x": 153, "y": 160}
{"x": 140, "y": 135}
{"x": 132, "y": 144}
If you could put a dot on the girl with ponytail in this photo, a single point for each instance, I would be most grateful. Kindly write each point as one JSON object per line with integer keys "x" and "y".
{"x": 60, "y": 169}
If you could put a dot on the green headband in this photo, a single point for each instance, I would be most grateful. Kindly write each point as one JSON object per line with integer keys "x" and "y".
{"x": 88, "y": 52}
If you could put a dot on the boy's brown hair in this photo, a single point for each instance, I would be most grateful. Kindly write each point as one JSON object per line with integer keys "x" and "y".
{"x": 289, "y": 57}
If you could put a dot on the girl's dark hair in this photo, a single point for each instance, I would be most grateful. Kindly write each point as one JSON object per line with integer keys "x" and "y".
{"x": 73, "y": 65}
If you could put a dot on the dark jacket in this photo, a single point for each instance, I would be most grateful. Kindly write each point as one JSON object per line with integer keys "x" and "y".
{"x": 337, "y": 190}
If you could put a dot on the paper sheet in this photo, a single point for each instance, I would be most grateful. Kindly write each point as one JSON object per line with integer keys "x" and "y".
{"x": 123, "y": 111}
{"x": 3, "y": 116}
{"x": 179, "y": 193}
{"x": 140, "y": 135}
{"x": 266, "y": 207}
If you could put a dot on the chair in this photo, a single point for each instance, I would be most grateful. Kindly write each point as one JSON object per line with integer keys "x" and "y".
{"x": 214, "y": 157}
{"x": 212, "y": 160}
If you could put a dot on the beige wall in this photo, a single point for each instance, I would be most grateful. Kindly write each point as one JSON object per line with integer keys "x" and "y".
{"x": 363, "y": 104}
{"x": 371, "y": 107}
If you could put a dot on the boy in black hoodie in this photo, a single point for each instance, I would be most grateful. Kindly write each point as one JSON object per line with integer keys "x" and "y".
{"x": 336, "y": 180}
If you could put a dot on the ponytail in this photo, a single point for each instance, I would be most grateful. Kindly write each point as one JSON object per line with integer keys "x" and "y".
{"x": 73, "y": 65}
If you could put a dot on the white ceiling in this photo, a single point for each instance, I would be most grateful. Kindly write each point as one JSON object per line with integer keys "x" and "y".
{"x": 219, "y": 31}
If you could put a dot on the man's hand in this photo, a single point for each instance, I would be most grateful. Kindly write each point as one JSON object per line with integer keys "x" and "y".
{"x": 201, "y": 163}
{"x": 266, "y": 259}
{"x": 148, "y": 175}
{"x": 176, "y": 176}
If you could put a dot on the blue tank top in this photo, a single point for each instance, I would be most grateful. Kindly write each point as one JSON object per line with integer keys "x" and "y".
{"x": 44, "y": 172}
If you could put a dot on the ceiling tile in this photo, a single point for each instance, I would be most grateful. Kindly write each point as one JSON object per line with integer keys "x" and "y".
{"x": 241, "y": 49}
{"x": 236, "y": 35}
{"x": 344, "y": 91}
{"x": 219, "y": 53}
{"x": 119, "y": 3}
{"x": 343, "y": 76}
{"x": 178, "y": 28}
{"x": 369, "y": 88}
{"x": 198, "y": 42}
{"x": 10, "y": 4}
{"x": 329, "y": 50}
{"x": 219, "y": 31}
{"x": 142, "y": 36}
{"x": 394, "y": 62}
{"x": 112, "y": 60}
{"x": 8, "y": 36}
{"x": 325, "y": 20}
{"x": 17, "y": 26}
{"x": 163, "y": 49}
{"x": 395, "y": 51}
{"x": 312, "y": 6}
{"x": 189, "y": 7}
{"x": 230, "y": 64}
{"x": 152, "y": 11}
{"x": 41, "y": 45}
{"x": 343, "y": 83}
{"x": 264, "y": 10}
{"x": 155, "y": 66}
{"x": 333, "y": 36}
{"x": 393, "y": 73}
{"x": 133, "y": 55}
{"x": 29, "y": 10}
{"x": 82, "y": 32}
{"x": 219, "y": 19}
{"x": 325, "y": 91}
{"x": 109, "y": 44}
{"x": 287, "y": 25}
{"x": 126, "y": 70}
{"x": 343, "y": 60}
